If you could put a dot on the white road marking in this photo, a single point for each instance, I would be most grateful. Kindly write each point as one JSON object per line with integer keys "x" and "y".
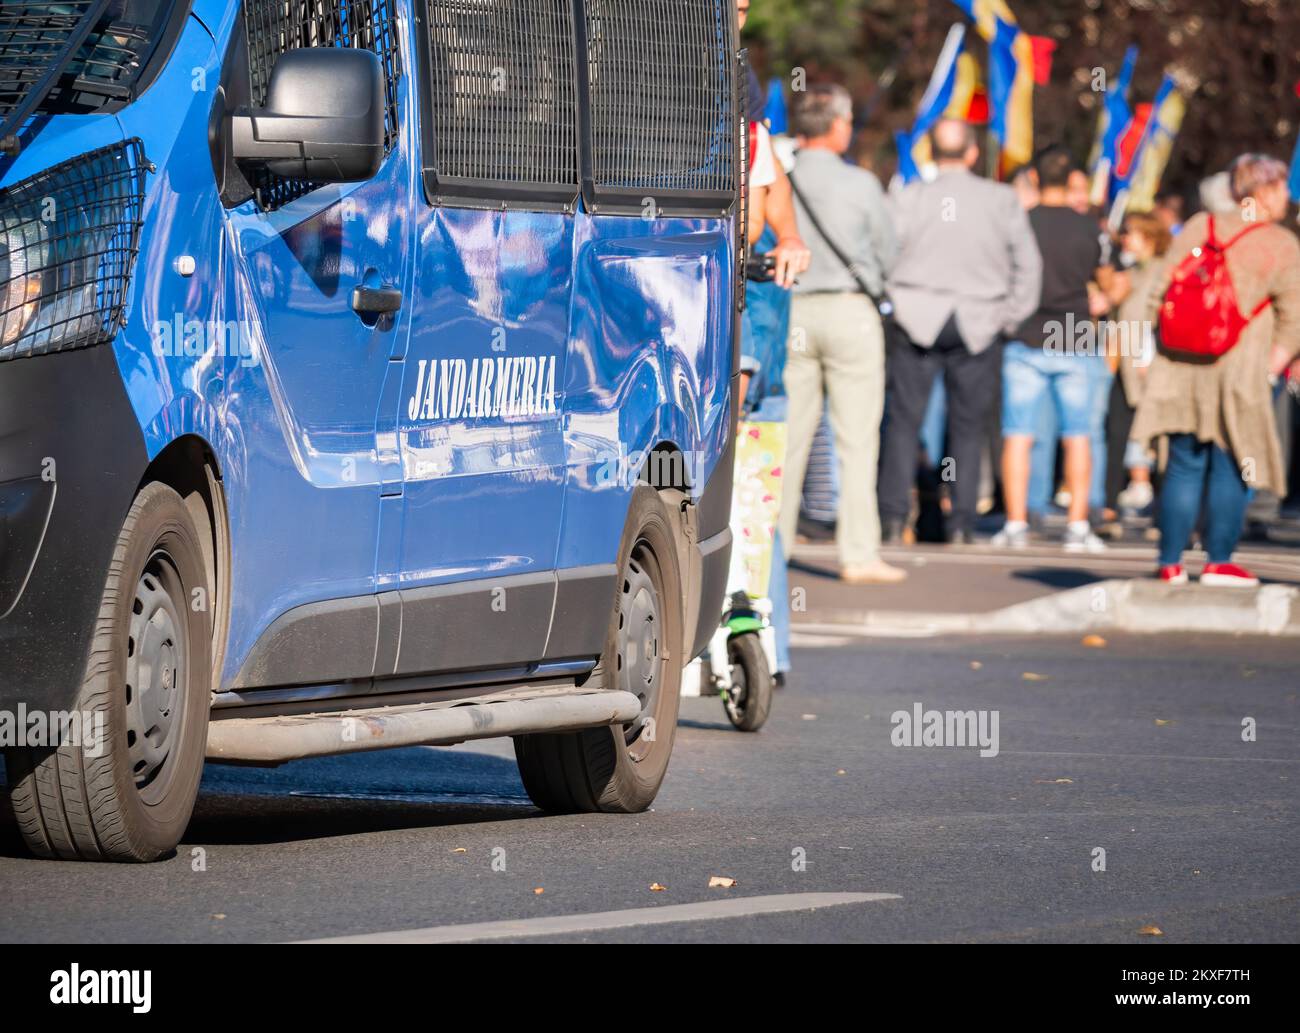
{"x": 560, "y": 925}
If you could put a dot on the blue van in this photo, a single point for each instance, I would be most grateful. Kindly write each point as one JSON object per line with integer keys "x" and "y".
{"x": 367, "y": 378}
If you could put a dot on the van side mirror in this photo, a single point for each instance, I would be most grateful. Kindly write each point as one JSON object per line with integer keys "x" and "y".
{"x": 323, "y": 120}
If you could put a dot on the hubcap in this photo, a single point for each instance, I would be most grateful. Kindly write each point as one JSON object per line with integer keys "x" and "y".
{"x": 639, "y": 660}
{"x": 156, "y": 674}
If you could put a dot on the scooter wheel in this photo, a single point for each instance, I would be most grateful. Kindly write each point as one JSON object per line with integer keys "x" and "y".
{"x": 749, "y": 700}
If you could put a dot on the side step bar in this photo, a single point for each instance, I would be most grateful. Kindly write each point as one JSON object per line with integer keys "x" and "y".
{"x": 273, "y": 740}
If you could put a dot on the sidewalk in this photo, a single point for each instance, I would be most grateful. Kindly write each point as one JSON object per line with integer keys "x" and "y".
{"x": 979, "y": 589}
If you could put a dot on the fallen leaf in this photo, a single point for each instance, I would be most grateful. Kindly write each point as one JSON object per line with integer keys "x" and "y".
{"x": 218, "y": 916}
{"x": 809, "y": 717}
{"x": 1094, "y": 641}
{"x": 1031, "y": 676}
{"x": 538, "y": 891}
{"x": 1162, "y": 721}
{"x": 841, "y": 772}
{"x": 1054, "y": 781}
{"x": 656, "y": 888}
{"x": 721, "y": 882}
{"x": 1151, "y": 930}
{"x": 975, "y": 665}
{"x": 458, "y": 850}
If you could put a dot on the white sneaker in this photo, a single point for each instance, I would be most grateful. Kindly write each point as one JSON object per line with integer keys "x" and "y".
{"x": 1081, "y": 539}
{"x": 1011, "y": 537}
{"x": 1136, "y": 497}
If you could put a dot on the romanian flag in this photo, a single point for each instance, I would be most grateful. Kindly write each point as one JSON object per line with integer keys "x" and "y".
{"x": 1153, "y": 157}
{"x": 970, "y": 99}
{"x": 1016, "y": 61}
{"x": 1115, "y": 123}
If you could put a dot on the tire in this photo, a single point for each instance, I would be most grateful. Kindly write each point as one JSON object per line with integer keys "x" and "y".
{"x": 149, "y": 671}
{"x": 749, "y": 700}
{"x": 619, "y": 769}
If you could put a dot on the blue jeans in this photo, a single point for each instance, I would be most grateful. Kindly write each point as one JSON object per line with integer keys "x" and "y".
{"x": 1199, "y": 470}
{"x": 773, "y": 410}
{"x": 1043, "y": 456}
{"x": 1101, "y": 376}
{"x": 1044, "y": 396}
{"x": 935, "y": 425}
{"x": 766, "y": 326}
{"x": 1030, "y": 376}
{"x": 1042, "y": 461}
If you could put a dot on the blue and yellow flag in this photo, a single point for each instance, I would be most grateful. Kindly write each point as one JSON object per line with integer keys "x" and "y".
{"x": 945, "y": 81}
{"x": 1011, "y": 78}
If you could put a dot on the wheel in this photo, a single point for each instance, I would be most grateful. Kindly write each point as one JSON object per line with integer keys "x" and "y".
{"x": 619, "y": 769}
{"x": 129, "y": 796}
{"x": 749, "y": 700}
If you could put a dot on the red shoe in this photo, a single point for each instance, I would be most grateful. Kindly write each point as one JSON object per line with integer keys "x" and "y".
{"x": 1173, "y": 574}
{"x": 1226, "y": 575}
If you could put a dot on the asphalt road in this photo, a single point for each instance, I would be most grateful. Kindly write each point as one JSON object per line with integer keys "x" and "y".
{"x": 1135, "y": 748}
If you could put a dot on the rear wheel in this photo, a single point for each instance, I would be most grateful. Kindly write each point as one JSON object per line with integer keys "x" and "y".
{"x": 619, "y": 769}
{"x": 126, "y": 789}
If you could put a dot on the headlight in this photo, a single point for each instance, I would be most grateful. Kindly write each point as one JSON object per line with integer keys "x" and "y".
{"x": 22, "y": 257}
{"x": 68, "y": 240}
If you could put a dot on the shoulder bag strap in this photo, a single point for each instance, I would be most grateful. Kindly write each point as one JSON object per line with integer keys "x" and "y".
{"x": 830, "y": 243}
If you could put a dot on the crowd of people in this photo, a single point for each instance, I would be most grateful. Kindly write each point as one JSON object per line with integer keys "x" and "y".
{"x": 968, "y": 341}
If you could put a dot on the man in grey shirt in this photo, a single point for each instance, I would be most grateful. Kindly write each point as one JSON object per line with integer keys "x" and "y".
{"x": 968, "y": 272}
{"x": 837, "y": 348}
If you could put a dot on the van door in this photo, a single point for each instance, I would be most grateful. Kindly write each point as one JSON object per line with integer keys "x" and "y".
{"x": 480, "y": 434}
{"x": 317, "y": 264}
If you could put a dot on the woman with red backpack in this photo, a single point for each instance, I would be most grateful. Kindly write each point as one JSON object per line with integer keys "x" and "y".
{"x": 1228, "y": 310}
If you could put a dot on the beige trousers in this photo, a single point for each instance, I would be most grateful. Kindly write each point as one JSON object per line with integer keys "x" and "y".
{"x": 836, "y": 351}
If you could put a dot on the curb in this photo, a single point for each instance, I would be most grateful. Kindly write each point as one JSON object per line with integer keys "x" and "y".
{"x": 1139, "y": 606}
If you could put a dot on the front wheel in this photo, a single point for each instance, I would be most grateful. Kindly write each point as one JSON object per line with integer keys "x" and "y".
{"x": 125, "y": 788}
{"x": 749, "y": 700}
{"x": 619, "y": 769}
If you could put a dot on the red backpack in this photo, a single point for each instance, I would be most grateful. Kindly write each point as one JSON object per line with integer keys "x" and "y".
{"x": 1200, "y": 315}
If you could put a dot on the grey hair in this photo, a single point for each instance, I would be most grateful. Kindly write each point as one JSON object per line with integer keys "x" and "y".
{"x": 817, "y": 108}
{"x": 1253, "y": 172}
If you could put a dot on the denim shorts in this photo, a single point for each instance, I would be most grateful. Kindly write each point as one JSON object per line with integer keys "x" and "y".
{"x": 1029, "y": 375}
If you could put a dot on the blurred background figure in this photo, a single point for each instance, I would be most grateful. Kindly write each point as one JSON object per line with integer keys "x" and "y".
{"x": 1131, "y": 350}
{"x": 1050, "y": 359}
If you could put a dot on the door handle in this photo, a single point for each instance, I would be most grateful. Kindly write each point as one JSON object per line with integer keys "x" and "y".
{"x": 375, "y": 301}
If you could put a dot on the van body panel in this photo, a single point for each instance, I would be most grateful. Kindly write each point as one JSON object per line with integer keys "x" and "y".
{"x": 480, "y": 426}
{"x": 649, "y": 364}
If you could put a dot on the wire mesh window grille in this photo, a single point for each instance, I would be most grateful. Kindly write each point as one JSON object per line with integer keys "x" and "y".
{"x": 661, "y": 82}
{"x": 501, "y": 97}
{"x": 68, "y": 242}
{"x": 32, "y": 38}
{"x": 273, "y": 27}
{"x": 105, "y": 67}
